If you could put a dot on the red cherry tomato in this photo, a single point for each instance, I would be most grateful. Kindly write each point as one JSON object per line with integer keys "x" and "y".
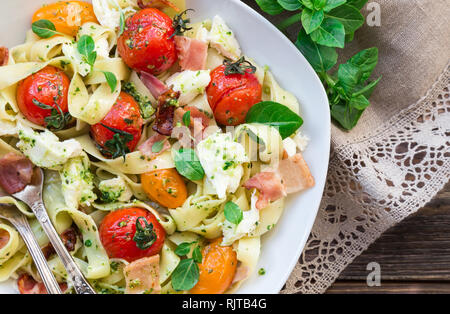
{"x": 48, "y": 86}
{"x": 146, "y": 44}
{"x": 232, "y": 96}
{"x": 118, "y": 229}
{"x": 124, "y": 116}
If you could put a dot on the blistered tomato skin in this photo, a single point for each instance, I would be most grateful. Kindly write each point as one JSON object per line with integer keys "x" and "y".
{"x": 118, "y": 229}
{"x": 124, "y": 116}
{"x": 165, "y": 186}
{"x": 48, "y": 86}
{"x": 232, "y": 96}
{"x": 67, "y": 16}
{"x": 147, "y": 43}
{"x": 217, "y": 269}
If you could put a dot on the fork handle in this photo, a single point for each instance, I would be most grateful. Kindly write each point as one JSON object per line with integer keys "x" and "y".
{"x": 80, "y": 283}
{"x": 22, "y": 226}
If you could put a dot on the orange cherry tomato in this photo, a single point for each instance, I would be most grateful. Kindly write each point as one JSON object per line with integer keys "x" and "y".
{"x": 232, "y": 96}
{"x": 165, "y": 186}
{"x": 217, "y": 269}
{"x": 49, "y": 86}
{"x": 118, "y": 230}
{"x": 67, "y": 16}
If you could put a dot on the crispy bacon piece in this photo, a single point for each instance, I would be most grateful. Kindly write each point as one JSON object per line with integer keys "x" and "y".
{"x": 69, "y": 238}
{"x": 166, "y": 109}
{"x": 154, "y": 85}
{"x": 292, "y": 175}
{"x": 27, "y": 285}
{"x": 158, "y": 4}
{"x": 192, "y": 53}
{"x": 4, "y": 56}
{"x": 16, "y": 172}
{"x": 142, "y": 276}
{"x": 146, "y": 148}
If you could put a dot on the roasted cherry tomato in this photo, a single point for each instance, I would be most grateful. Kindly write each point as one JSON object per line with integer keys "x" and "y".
{"x": 165, "y": 187}
{"x": 147, "y": 43}
{"x": 67, "y": 16}
{"x": 121, "y": 129}
{"x": 121, "y": 238}
{"x": 27, "y": 285}
{"x": 217, "y": 269}
{"x": 232, "y": 96}
{"x": 47, "y": 87}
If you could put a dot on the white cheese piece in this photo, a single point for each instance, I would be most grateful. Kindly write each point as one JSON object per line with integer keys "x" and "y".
{"x": 45, "y": 150}
{"x": 115, "y": 190}
{"x": 70, "y": 51}
{"x": 222, "y": 159}
{"x": 77, "y": 182}
{"x": 222, "y": 38}
{"x": 107, "y": 13}
{"x": 248, "y": 224}
{"x": 190, "y": 84}
{"x": 290, "y": 146}
{"x": 301, "y": 141}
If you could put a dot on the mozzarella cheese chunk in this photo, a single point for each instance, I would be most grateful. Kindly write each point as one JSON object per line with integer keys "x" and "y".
{"x": 301, "y": 141}
{"x": 189, "y": 83}
{"x": 115, "y": 190}
{"x": 45, "y": 150}
{"x": 107, "y": 13}
{"x": 248, "y": 224}
{"x": 222, "y": 160}
{"x": 77, "y": 182}
{"x": 290, "y": 146}
{"x": 70, "y": 51}
{"x": 222, "y": 38}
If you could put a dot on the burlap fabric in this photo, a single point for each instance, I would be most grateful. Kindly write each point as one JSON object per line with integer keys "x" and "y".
{"x": 398, "y": 156}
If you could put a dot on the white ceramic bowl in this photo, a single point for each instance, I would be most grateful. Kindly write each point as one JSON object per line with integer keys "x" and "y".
{"x": 260, "y": 40}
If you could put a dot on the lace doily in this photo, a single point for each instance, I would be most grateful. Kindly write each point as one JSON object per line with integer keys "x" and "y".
{"x": 375, "y": 183}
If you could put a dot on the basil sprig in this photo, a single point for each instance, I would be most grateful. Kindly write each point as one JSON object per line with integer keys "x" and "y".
{"x": 44, "y": 28}
{"x": 144, "y": 237}
{"x": 233, "y": 213}
{"x": 86, "y": 48}
{"x": 188, "y": 164}
{"x": 58, "y": 119}
{"x": 327, "y": 25}
{"x": 276, "y": 115}
{"x": 186, "y": 274}
{"x": 117, "y": 146}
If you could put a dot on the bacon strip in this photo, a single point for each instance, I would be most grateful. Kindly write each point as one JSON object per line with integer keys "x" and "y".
{"x": 192, "y": 53}
{"x": 142, "y": 276}
{"x": 154, "y": 85}
{"x": 27, "y": 285}
{"x": 4, "y": 56}
{"x": 69, "y": 238}
{"x": 158, "y": 4}
{"x": 292, "y": 175}
{"x": 16, "y": 172}
{"x": 146, "y": 148}
{"x": 165, "y": 114}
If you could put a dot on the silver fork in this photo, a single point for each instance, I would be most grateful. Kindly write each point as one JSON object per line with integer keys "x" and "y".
{"x": 32, "y": 196}
{"x": 20, "y": 222}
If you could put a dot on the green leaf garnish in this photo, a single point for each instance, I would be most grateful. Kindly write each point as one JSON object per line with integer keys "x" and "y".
{"x": 180, "y": 24}
{"x": 197, "y": 255}
{"x": 144, "y": 236}
{"x": 188, "y": 164}
{"x": 121, "y": 23}
{"x": 145, "y": 105}
{"x": 311, "y": 20}
{"x": 276, "y": 115}
{"x": 241, "y": 66}
{"x": 187, "y": 118}
{"x": 330, "y": 33}
{"x": 44, "y": 28}
{"x": 117, "y": 146}
{"x": 86, "y": 47}
{"x": 111, "y": 80}
{"x": 184, "y": 248}
{"x": 58, "y": 119}
{"x": 290, "y": 5}
{"x": 186, "y": 275}
{"x": 233, "y": 213}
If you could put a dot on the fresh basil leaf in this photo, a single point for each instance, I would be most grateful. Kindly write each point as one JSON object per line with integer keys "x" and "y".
{"x": 86, "y": 48}
{"x": 111, "y": 80}
{"x": 308, "y": 4}
{"x": 368, "y": 89}
{"x": 188, "y": 164}
{"x": 359, "y": 4}
{"x": 187, "y": 118}
{"x": 157, "y": 146}
{"x": 359, "y": 102}
{"x": 349, "y": 76}
{"x": 271, "y": 7}
{"x": 233, "y": 213}
{"x": 319, "y": 4}
{"x": 311, "y": 20}
{"x": 330, "y": 33}
{"x": 276, "y": 115}
{"x": 345, "y": 115}
{"x": 184, "y": 248}
{"x": 349, "y": 16}
{"x": 290, "y": 5}
{"x": 366, "y": 60}
{"x": 331, "y": 4}
{"x": 197, "y": 254}
{"x": 186, "y": 274}
{"x": 321, "y": 58}
{"x": 121, "y": 23}
{"x": 44, "y": 28}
